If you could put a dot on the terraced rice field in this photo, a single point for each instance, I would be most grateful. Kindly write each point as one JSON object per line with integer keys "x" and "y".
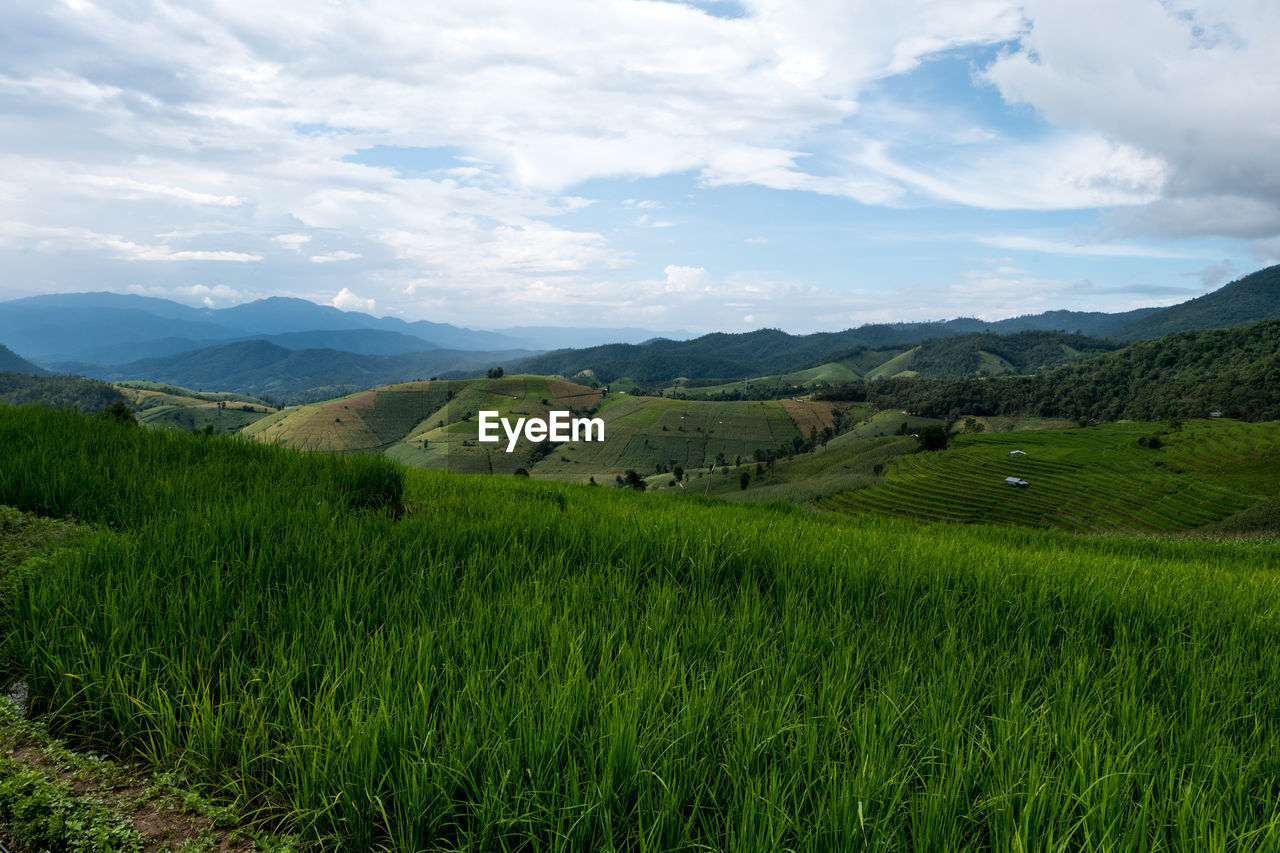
{"x": 1235, "y": 454}
{"x": 643, "y": 432}
{"x": 171, "y": 407}
{"x": 1085, "y": 480}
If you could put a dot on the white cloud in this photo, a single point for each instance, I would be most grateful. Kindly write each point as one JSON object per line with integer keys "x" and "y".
{"x": 1190, "y": 86}
{"x": 227, "y": 129}
{"x": 210, "y": 296}
{"x": 1025, "y": 243}
{"x": 345, "y": 300}
{"x": 294, "y": 242}
{"x": 334, "y": 256}
{"x": 684, "y": 279}
{"x": 644, "y": 221}
{"x": 21, "y": 235}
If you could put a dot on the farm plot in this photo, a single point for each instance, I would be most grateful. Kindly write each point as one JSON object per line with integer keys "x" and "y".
{"x": 323, "y": 429}
{"x": 1085, "y": 480}
{"x": 1243, "y": 456}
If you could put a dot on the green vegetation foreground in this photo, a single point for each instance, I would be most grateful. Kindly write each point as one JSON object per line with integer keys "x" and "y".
{"x": 524, "y": 665}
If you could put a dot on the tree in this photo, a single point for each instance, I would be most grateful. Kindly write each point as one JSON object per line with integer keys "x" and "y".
{"x": 743, "y": 480}
{"x": 678, "y": 471}
{"x": 934, "y": 437}
{"x": 494, "y": 373}
{"x": 118, "y": 411}
{"x": 633, "y": 480}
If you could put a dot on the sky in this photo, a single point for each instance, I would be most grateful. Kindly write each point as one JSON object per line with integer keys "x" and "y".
{"x": 719, "y": 165}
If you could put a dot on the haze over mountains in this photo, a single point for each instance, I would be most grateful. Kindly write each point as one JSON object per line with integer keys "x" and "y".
{"x": 295, "y": 349}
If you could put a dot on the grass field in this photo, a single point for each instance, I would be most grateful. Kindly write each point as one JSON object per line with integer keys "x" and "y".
{"x": 1086, "y": 480}
{"x": 515, "y": 665}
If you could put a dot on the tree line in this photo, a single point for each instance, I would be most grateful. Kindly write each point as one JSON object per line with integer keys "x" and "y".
{"x": 1189, "y": 374}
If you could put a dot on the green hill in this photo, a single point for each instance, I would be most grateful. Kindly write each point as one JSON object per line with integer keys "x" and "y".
{"x": 160, "y": 405}
{"x": 434, "y": 425}
{"x": 1251, "y": 299}
{"x": 780, "y": 361}
{"x": 1189, "y": 374}
{"x": 382, "y": 659}
{"x": 1085, "y": 480}
{"x": 13, "y": 363}
{"x": 56, "y": 392}
{"x": 263, "y": 369}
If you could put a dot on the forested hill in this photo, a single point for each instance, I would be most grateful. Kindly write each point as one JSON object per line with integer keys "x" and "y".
{"x": 715, "y": 355}
{"x": 56, "y": 392}
{"x": 262, "y": 368}
{"x": 1251, "y": 299}
{"x": 989, "y": 354}
{"x": 11, "y": 361}
{"x": 770, "y": 351}
{"x": 1189, "y": 374}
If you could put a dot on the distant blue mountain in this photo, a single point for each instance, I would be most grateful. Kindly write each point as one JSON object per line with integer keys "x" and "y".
{"x": 259, "y": 367}
{"x": 112, "y": 328}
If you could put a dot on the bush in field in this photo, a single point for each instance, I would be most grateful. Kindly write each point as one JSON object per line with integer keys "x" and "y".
{"x": 935, "y": 437}
{"x": 118, "y": 411}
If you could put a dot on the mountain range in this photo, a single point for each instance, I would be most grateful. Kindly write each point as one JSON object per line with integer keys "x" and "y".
{"x": 265, "y": 369}
{"x": 295, "y": 349}
{"x": 1251, "y": 299}
{"x": 116, "y": 328}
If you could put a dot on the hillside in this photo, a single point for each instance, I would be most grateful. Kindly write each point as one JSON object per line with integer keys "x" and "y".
{"x": 433, "y": 425}
{"x": 771, "y": 355}
{"x": 1094, "y": 480}
{"x": 409, "y": 660}
{"x": 1248, "y": 300}
{"x": 56, "y": 392}
{"x": 12, "y": 362}
{"x": 170, "y": 407}
{"x": 260, "y": 368}
{"x": 1234, "y": 371}
{"x": 778, "y": 363}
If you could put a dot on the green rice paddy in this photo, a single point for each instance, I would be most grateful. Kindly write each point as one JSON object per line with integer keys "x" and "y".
{"x": 408, "y": 661}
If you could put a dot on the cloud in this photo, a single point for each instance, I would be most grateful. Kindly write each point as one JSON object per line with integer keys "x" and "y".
{"x": 685, "y": 279}
{"x": 345, "y": 300}
{"x": 455, "y": 177}
{"x": 644, "y": 221}
{"x": 56, "y": 240}
{"x": 334, "y": 256}
{"x": 1266, "y": 251}
{"x": 1052, "y": 245}
{"x": 210, "y": 296}
{"x": 131, "y": 188}
{"x": 1215, "y": 274}
{"x": 1191, "y": 97}
{"x": 294, "y": 242}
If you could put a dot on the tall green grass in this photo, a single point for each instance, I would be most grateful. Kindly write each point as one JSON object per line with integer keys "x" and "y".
{"x": 526, "y": 666}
